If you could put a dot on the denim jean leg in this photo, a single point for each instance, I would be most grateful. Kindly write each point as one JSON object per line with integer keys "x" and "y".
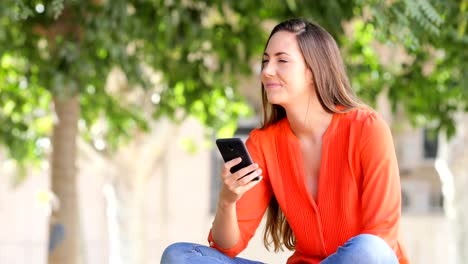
{"x": 363, "y": 249}
{"x": 190, "y": 253}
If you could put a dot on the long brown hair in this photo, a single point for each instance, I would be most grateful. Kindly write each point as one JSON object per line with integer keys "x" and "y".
{"x": 333, "y": 89}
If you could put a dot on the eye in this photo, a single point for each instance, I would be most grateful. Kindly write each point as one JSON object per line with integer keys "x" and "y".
{"x": 264, "y": 61}
{"x": 282, "y": 60}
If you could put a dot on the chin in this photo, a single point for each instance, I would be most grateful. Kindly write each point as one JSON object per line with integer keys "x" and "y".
{"x": 274, "y": 102}
{"x": 274, "y": 99}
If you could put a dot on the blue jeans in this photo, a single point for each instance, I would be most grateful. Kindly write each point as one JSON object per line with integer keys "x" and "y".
{"x": 362, "y": 249}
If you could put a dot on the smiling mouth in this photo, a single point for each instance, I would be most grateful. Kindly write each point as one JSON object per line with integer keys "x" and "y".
{"x": 272, "y": 85}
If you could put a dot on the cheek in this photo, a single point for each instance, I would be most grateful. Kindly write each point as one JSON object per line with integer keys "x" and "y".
{"x": 286, "y": 72}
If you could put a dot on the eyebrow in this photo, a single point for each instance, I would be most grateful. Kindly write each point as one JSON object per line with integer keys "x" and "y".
{"x": 277, "y": 54}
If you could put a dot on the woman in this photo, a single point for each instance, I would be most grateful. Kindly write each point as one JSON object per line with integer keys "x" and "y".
{"x": 329, "y": 171}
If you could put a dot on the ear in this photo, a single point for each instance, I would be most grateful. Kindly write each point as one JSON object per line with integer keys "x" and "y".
{"x": 310, "y": 76}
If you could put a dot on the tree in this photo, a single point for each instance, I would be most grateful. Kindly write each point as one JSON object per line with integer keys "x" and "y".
{"x": 184, "y": 58}
{"x": 61, "y": 52}
{"x": 431, "y": 88}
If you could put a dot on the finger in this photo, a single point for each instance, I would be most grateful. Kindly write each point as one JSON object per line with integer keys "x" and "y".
{"x": 233, "y": 162}
{"x": 251, "y": 184}
{"x": 248, "y": 178}
{"x": 229, "y": 164}
{"x": 244, "y": 171}
{"x": 234, "y": 181}
{"x": 235, "y": 192}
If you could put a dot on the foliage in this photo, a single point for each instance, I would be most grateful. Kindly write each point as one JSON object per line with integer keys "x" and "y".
{"x": 432, "y": 86}
{"x": 24, "y": 112}
{"x": 63, "y": 48}
{"x": 185, "y": 58}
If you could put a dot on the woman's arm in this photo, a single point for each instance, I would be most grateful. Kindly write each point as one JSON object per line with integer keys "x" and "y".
{"x": 381, "y": 192}
{"x": 225, "y": 230}
{"x": 241, "y": 204}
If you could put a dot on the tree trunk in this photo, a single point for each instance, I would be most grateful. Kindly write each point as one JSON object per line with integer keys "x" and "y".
{"x": 452, "y": 166}
{"x": 64, "y": 224}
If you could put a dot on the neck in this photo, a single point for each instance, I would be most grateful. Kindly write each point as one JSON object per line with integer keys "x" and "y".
{"x": 309, "y": 121}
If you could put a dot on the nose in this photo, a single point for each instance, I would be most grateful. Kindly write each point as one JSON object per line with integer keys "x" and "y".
{"x": 268, "y": 69}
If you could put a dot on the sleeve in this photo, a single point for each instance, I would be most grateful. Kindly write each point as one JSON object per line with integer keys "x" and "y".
{"x": 381, "y": 191}
{"x": 252, "y": 205}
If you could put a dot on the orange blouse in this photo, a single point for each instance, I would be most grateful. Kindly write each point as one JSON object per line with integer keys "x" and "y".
{"x": 358, "y": 187}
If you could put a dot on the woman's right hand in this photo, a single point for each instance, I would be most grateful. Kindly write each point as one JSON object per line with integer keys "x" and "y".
{"x": 234, "y": 185}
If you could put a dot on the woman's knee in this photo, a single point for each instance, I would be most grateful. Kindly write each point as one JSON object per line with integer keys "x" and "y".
{"x": 174, "y": 252}
{"x": 373, "y": 249}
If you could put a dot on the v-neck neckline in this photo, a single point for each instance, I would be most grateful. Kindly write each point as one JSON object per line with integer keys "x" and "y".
{"x": 293, "y": 143}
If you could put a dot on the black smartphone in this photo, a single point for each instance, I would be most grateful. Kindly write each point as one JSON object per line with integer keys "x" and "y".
{"x": 231, "y": 148}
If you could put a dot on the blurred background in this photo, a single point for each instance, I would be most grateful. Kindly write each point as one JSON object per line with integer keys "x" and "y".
{"x": 109, "y": 111}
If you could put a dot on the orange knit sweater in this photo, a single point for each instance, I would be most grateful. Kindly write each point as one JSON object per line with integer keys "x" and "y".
{"x": 358, "y": 187}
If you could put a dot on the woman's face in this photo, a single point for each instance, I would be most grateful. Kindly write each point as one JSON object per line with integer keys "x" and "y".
{"x": 285, "y": 76}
